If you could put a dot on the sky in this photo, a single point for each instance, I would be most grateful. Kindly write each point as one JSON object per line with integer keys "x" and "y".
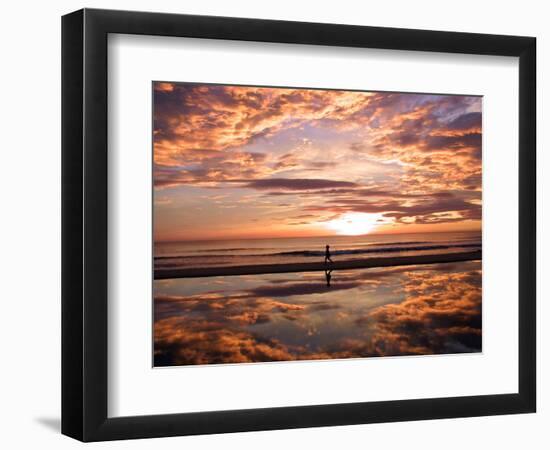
{"x": 238, "y": 162}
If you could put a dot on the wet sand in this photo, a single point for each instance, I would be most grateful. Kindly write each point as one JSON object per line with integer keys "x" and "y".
{"x": 163, "y": 274}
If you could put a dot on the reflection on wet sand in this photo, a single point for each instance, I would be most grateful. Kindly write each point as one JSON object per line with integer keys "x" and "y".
{"x": 328, "y": 276}
{"x": 412, "y": 310}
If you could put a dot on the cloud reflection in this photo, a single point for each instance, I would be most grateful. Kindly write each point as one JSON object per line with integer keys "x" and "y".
{"x": 420, "y": 310}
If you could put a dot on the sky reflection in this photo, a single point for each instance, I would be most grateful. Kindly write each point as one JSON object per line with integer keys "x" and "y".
{"x": 413, "y": 310}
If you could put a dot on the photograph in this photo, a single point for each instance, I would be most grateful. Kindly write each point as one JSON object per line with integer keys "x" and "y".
{"x": 267, "y": 225}
{"x": 314, "y": 224}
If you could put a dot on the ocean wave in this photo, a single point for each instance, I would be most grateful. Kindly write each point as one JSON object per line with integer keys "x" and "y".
{"x": 361, "y": 251}
{"x": 321, "y": 253}
{"x": 385, "y": 244}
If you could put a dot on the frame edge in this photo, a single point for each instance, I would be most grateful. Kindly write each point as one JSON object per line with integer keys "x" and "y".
{"x": 72, "y": 254}
{"x": 527, "y": 290}
{"x": 84, "y": 335}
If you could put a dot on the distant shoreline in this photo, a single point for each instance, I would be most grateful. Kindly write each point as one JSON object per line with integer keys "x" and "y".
{"x": 365, "y": 263}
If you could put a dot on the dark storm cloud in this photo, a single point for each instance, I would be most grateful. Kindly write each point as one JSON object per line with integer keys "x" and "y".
{"x": 298, "y": 184}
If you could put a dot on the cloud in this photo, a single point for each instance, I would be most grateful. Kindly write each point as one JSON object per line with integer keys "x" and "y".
{"x": 466, "y": 121}
{"x": 426, "y": 208}
{"x": 293, "y": 184}
{"x": 222, "y": 117}
{"x": 452, "y": 142}
{"x": 333, "y": 151}
{"x": 209, "y": 167}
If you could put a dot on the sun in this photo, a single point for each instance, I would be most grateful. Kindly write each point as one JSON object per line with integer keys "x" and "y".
{"x": 355, "y": 223}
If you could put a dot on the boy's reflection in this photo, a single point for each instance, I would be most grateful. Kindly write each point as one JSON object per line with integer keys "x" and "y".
{"x": 328, "y": 276}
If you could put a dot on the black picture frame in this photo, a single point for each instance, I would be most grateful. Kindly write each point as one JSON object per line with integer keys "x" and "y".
{"x": 84, "y": 224}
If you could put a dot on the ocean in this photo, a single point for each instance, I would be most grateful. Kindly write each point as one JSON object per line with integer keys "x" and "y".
{"x": 239, "y": 252}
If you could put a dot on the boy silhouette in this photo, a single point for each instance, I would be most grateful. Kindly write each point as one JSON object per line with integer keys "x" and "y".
{"x": 327, "y": 254}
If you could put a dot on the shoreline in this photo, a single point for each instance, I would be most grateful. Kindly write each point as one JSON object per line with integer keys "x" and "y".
{"x": 365, "y": 263}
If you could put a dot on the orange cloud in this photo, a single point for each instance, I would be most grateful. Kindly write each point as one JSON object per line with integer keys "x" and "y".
{"x": 412, "y": 147}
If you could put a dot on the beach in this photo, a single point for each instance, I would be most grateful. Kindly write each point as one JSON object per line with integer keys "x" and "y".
{"x": 255, "y": 300}
{"x": 364, "y": 263}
